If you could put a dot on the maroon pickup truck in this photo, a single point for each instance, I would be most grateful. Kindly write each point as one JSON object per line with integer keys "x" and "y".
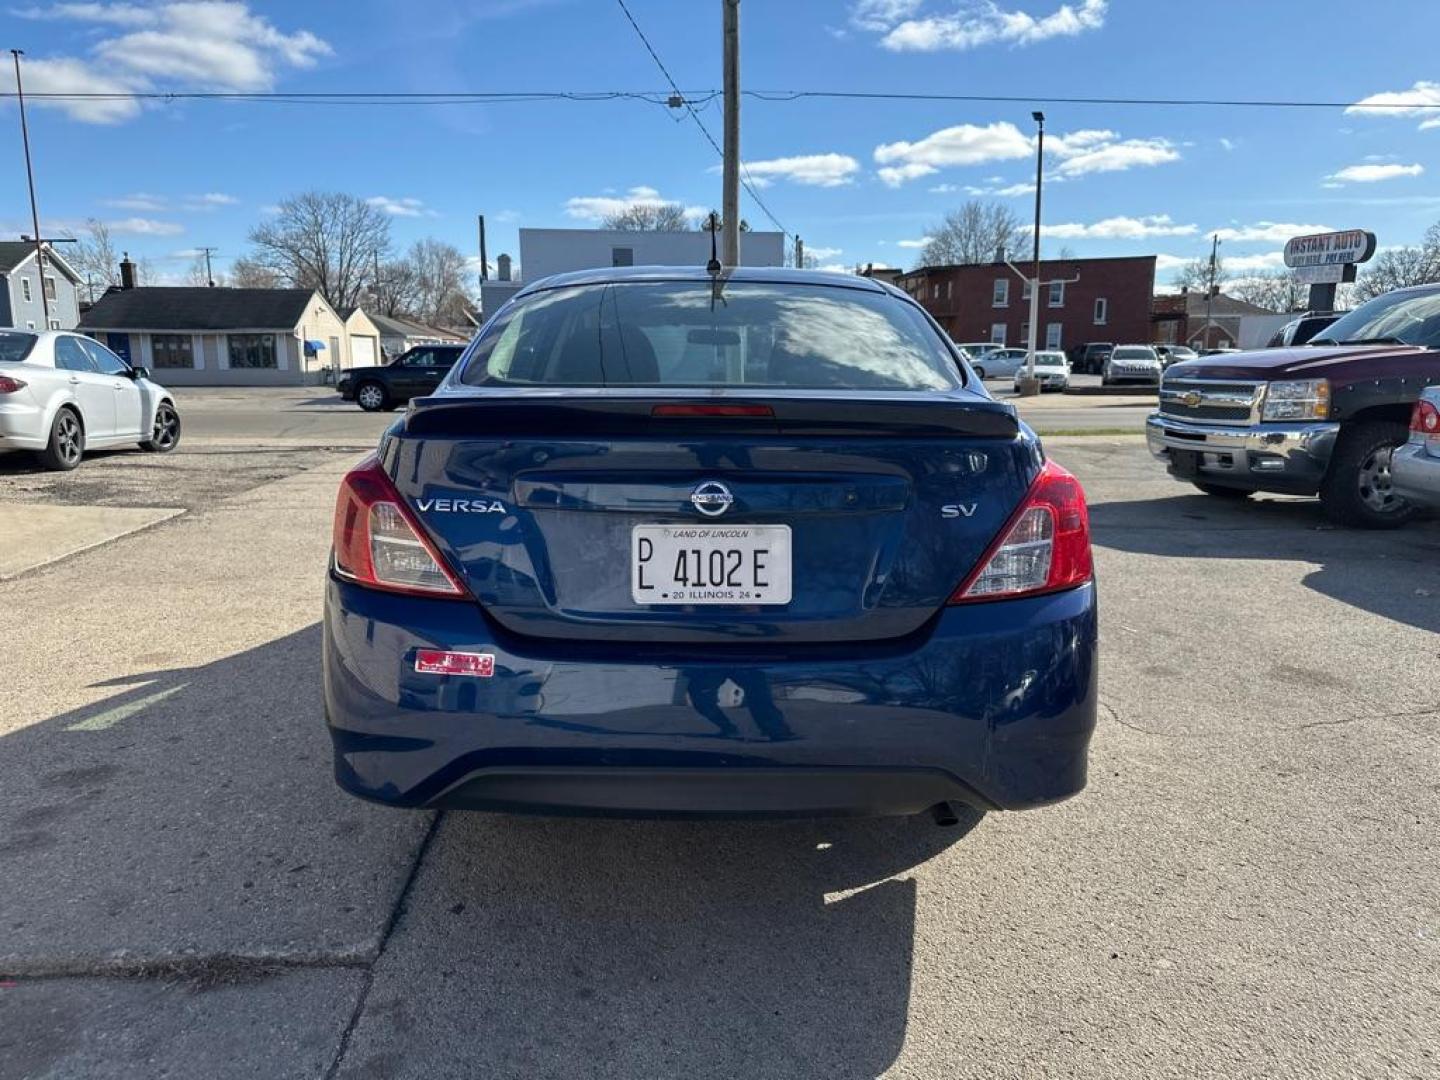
{"x": 1323, "y": 418}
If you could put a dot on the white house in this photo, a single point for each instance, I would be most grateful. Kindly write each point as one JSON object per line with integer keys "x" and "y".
{"x": 557, "y": 251}
{"x": 198, "y": 336}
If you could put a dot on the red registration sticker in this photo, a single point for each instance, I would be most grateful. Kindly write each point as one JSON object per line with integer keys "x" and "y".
{"x": 439, "y": 662}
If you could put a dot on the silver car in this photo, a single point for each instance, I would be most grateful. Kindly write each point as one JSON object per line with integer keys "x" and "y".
{"x": 62, "y": 394}
{"x": 1415, "y": 466}
{"x": 1131, "y": 363}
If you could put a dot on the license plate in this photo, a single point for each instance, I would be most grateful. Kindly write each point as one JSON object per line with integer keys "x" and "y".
{"x": 710, "y": 564}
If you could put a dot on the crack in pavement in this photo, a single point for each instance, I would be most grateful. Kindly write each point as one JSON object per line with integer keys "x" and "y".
{"x": 396, "y": 913}
{"x": 1114, "y": 714}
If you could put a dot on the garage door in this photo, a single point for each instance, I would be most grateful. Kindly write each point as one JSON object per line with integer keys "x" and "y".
{"x": 362, "y": 352}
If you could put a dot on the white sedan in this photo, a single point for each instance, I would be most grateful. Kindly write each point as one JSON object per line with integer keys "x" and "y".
{"x": 1051, "y": 368}
{"x": 62, "y": 394}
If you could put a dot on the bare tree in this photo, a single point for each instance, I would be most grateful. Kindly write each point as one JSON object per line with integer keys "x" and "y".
{"x": 250, "y": 274}
{"x": 396, "y": 292}
{"x": 94, "y": 258}
{"x": 1277, "y": 290}
{"x": 326, "y": 241}
{"x": 439, "y": 270}
{"x": 647, "y": 217}
{"x": 713, "y": 222}
{"x": 972, "y": 234}
{"x": 1195, "y": 274}
{"x": 1398, "y": 267}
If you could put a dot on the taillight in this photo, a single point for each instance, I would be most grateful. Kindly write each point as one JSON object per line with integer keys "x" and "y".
{"x": 9, "y": 385}
{"x": 1044, "y": 547}
{"x": 1425, "y": 419}
{"x": 378, "y": 542}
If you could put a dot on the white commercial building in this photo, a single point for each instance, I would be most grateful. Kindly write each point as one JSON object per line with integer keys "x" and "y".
{"x": 544, "y": 252}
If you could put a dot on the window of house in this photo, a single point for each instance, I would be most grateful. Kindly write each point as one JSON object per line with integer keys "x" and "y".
{"x": 997, "y": 333}
{"x": 1002, "y": 292}
{"x": 252, "y": 350}
{"x": 935, "y": 291}
{"x": 49, "y": 287}
{"x": 1057, "y": 294}
{"x": 1052, "y": 335}
{"x": 1025, "y": 333}
{"x": 30, "y": 324}
{"x": 172, "y": 350}
{"x": 54, "y": 324}
{"x": 1025, "y": 290}
{"x": 947, "y": 290}
{"x": 25, "y": 293}
{"x": 1102, "y": 310}
{"x": 622, "y": 256}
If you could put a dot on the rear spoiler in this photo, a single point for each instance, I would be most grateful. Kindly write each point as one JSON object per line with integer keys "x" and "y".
{"x": 528, "y": 416}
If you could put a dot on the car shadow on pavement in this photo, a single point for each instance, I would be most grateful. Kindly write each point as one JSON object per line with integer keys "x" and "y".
{"x": 571, "y": 947}
{"x": 189, "y": 814}
{"x": 1395, "y": 574}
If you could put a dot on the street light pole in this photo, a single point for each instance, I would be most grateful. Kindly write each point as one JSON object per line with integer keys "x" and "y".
{"x": 730, "y": 184}
{"x": 1029, "y": 385}
{"x": 1210, "y": 290}
{"x": 30, "y": 176}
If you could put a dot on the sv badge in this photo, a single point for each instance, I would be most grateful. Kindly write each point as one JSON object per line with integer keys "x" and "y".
{"x": 955, "y": 510}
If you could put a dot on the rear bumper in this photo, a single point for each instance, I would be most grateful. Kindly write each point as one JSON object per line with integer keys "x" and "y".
{"x": 994, "y": 708}
{"x": 1285, "y": 458}
{"x": 22, "y": 423}
{"x": 1415, "y": 475}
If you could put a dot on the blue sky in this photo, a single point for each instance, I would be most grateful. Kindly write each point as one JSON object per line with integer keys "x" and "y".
{"x": 859, "y": 180}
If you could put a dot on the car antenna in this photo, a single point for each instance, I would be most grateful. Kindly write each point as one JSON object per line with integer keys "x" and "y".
{"x": 713, "y": 267}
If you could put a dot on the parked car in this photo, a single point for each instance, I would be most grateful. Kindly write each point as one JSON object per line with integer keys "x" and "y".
{"x": 974, "y": 350}
{"x": 999, "y": 362}
{"x": 414, "y": 373}
{"x": 1051, "y": 368}
{"x": 62, "y": 394}
{"x": 1299, "y": 331}
{"x": 1218, "y": 350}
{"x": 1174, "y": 354}
{"x": 821, "y": 581}
{"x": 1131, "y": 363}
{"x": 1415, "y": 468}
{"x": 1089, "y": 359}
{"x": 1325, "y": 418}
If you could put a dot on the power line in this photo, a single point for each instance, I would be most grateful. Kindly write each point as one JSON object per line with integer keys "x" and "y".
{"x": 689, "y": 98}
{"x": 745, "y": 179}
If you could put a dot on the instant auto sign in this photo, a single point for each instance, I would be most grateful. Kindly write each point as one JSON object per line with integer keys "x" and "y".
{"x": 1330, "y": 249}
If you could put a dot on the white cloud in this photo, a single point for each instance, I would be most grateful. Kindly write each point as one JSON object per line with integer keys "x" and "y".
{"x": 823, "y": 253}
{"x": 1369, "y": 174}
{"x": 1119, "y": 228}
{"x": 190, "y": 44}
{"x": 905, "y": 28}
{"x": 1171, "y": 262}
{"x": 817, "y": 170}
{"x": 151, "y": 204}
{"x": 1228, "y": 144}
{"x": 598, "y": 207}
{"x": 1422, "y": 99}
{"x": 406, "y": 207}
{"x": 963, "y": 144}
{"x": 1270, "y": 260}
{"x": 913, "y": 243}
{"x": 1006, "y": 191}
{"x": 1100, "y": 151}
{"x": 139, "y": 226}
{"x": 1270, "y": 232}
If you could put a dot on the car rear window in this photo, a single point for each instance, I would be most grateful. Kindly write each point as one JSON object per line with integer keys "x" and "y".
{"x": 695, "y": 334}
{"x": 15, "y": 347}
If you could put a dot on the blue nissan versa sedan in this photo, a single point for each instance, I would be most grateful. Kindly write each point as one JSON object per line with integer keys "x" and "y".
{"x": 750, "y": 544}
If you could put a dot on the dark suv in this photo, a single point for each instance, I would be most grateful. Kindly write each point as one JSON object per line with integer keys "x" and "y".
{"x": 414, "y": 373}
{"x": 1321, "y": 419}
{"x": 1089, "y": 359}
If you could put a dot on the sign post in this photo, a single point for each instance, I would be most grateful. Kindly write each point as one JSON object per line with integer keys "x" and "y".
{"x": 1323, "y": 260}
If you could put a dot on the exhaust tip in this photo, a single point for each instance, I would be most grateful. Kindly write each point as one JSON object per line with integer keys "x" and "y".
{"x": 945, "y": 814}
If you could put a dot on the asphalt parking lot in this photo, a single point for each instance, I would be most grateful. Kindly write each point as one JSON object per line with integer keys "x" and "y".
{"x": 1248, "y": 888}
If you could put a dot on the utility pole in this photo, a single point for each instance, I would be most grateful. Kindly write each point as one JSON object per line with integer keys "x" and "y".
{"x": 730, "y": 189}
{"x": 1029, "y": 385}
{"x": 1210, "y": 290}
{"x": 30, "y": 176}
{"x": 209, "y": 275}
{"x": 799, "y": 254}
{"x": 484, "y": 266}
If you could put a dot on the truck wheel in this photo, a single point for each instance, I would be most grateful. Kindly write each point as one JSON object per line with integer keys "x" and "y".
{"x": 1356, "y": 490}
{"x": 1235, "y": 494}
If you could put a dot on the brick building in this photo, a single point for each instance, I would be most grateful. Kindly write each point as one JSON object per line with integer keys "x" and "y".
{"x": 1108, "y": 300}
